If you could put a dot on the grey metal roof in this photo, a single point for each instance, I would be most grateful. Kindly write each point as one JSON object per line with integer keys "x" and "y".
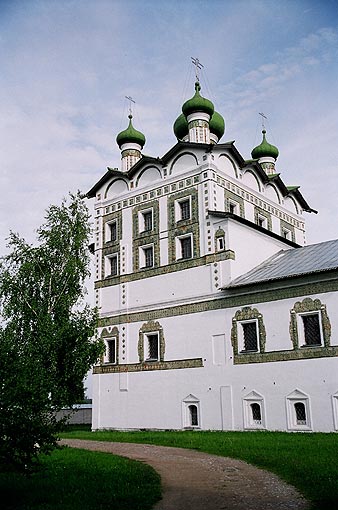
{"x": 294, "y": 262}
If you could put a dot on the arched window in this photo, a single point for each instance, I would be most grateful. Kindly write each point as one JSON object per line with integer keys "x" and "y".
{"x": 193, "y": 415}
{"x": 256, "y": 413}
{"x": 300, "y": 413}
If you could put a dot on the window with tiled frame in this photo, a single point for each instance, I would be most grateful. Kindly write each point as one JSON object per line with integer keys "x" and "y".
{"x": 151, "y": 343}
{"x": 248, "y": 332}
{"x": 310, "y": 325}
{"x": 110, "y": 337}
{"x": 233, "y": 203}
{"x": 263, "y": 218}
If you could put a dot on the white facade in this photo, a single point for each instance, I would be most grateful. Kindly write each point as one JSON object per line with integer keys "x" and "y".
{"x": 171, "y": 235}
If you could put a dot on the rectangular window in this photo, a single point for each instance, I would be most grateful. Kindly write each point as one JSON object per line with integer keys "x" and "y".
{"x": 232, "y": 208}
{"x": 148, "y": 256}
{"x": 110, "y": 356}
{"x": 250, "y": 338}
{"x": 286, "y": 234}
{"x": 147, "y": 221}
{"x": 186, "y": 248}
{"x": 113, "y": 231}
{"x": 311, "y": 326}
{"x": 185, "y": 209}
{"x": 113, "y": 265}
{"x": 152, "y": 347}
{"x": 220, "y": 243}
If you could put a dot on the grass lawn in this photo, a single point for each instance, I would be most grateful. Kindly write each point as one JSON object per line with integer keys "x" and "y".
{"x": 307, "y": 461}
{"x": 82, "y": 480}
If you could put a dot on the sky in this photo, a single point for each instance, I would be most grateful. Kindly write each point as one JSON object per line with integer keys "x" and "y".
{"x": 67, "y": 65}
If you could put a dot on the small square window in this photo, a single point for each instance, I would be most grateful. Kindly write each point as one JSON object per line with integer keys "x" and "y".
{"x": 261, "y": 221}
{"x": 233, "y": 207}
{"x": 186, "y": 247}
{"x": 250, "y": 336}
{"x": 286, "y": 234}
{"x": 151, "y": 347}
{"x": 110, "y": 354}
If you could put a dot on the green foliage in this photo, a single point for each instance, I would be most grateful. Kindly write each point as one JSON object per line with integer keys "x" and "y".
{"x": 307, "y": 461}
{"x": 80, "y": 480}
{"x": 46, "y": 331}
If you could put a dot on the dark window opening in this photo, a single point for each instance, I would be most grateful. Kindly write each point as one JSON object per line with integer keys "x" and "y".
{"x": 232, "y": 208}
{"x": 113, "y": 231}
{"x": 220, "y": 243}
{"x": 256, "y": 413}
{"x": 152, "y": 347}
{"x": 148, "y": 257}
{"x": 185, "y": 209}
{"x": 148, "y": 221}
{"x": 250, "y": 336}
{"x": 111, "y": 351}
{"x": 300, "y": 413}
{"x": 311, "y": 329}
{"x": 186, "y": 248}
{"x": 113, "y": 266}
{"x": 193, "y": 415}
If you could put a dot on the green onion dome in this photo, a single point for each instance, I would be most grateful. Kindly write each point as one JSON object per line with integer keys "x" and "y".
{"x": 181, "y": 127}
{"x": 217, "y": 125}
{"x": 197, "y": 103}
{"x": 130, "y": 135}
{"x": 265, "y": 150}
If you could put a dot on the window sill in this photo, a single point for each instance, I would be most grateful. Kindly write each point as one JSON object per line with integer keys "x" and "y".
{"x": 311, "y": 346}
{"x": 249, "y": 352}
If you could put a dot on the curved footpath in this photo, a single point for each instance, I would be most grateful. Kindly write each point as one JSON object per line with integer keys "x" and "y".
{"x": 193, "y": 480}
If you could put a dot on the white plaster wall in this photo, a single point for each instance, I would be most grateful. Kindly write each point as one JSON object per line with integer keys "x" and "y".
{"x": 154, "y": 399}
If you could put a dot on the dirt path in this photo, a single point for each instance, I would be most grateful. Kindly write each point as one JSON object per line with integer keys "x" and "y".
{"x": 198, "y": 481}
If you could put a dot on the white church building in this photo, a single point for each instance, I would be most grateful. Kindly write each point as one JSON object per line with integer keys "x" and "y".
{"x": 214, "y": 313}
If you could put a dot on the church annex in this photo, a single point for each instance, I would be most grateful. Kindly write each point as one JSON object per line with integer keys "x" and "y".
{"x": 214, "y": 313}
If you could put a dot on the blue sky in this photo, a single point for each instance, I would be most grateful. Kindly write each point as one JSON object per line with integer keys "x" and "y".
{"x": 66, "y": 67}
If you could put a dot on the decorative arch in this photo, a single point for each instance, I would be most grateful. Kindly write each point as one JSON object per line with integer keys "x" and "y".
{"x": 182, "y": 162}
{"x": 148, "y": 175}
{"x": 271, "y": 192}
{"x": 251, "y": 180}
{"x": 227, "y": 165}
{"x": 116, "y": 187}
{"x": 291, "y": 204}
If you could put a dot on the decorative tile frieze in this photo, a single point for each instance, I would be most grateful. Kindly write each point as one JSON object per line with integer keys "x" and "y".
{"x": 268, "y": 357}
{"x": 171, "y": 268}
{"x": 223, "y": 303}
{"x": 149, "y": 367}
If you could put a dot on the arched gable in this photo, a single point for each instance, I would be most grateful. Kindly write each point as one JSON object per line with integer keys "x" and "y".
{"x": 272, "y": 193}
{"x": 227, "y": 165}
{"x": 183, "y": 162}
{"x": 148, "y": 175}
{"x": 116, "y": 187}
{"x": 251, "y": 180}
{"x": 291, "y": 204}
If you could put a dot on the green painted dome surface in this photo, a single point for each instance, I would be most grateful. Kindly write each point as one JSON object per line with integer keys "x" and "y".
{"x": 181, "y": 127}
{"x": 130, "y": 135}
{"x": 265, "y": 150}
{"x": 217, "y": 125}
{"x": 198, "y": 103}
